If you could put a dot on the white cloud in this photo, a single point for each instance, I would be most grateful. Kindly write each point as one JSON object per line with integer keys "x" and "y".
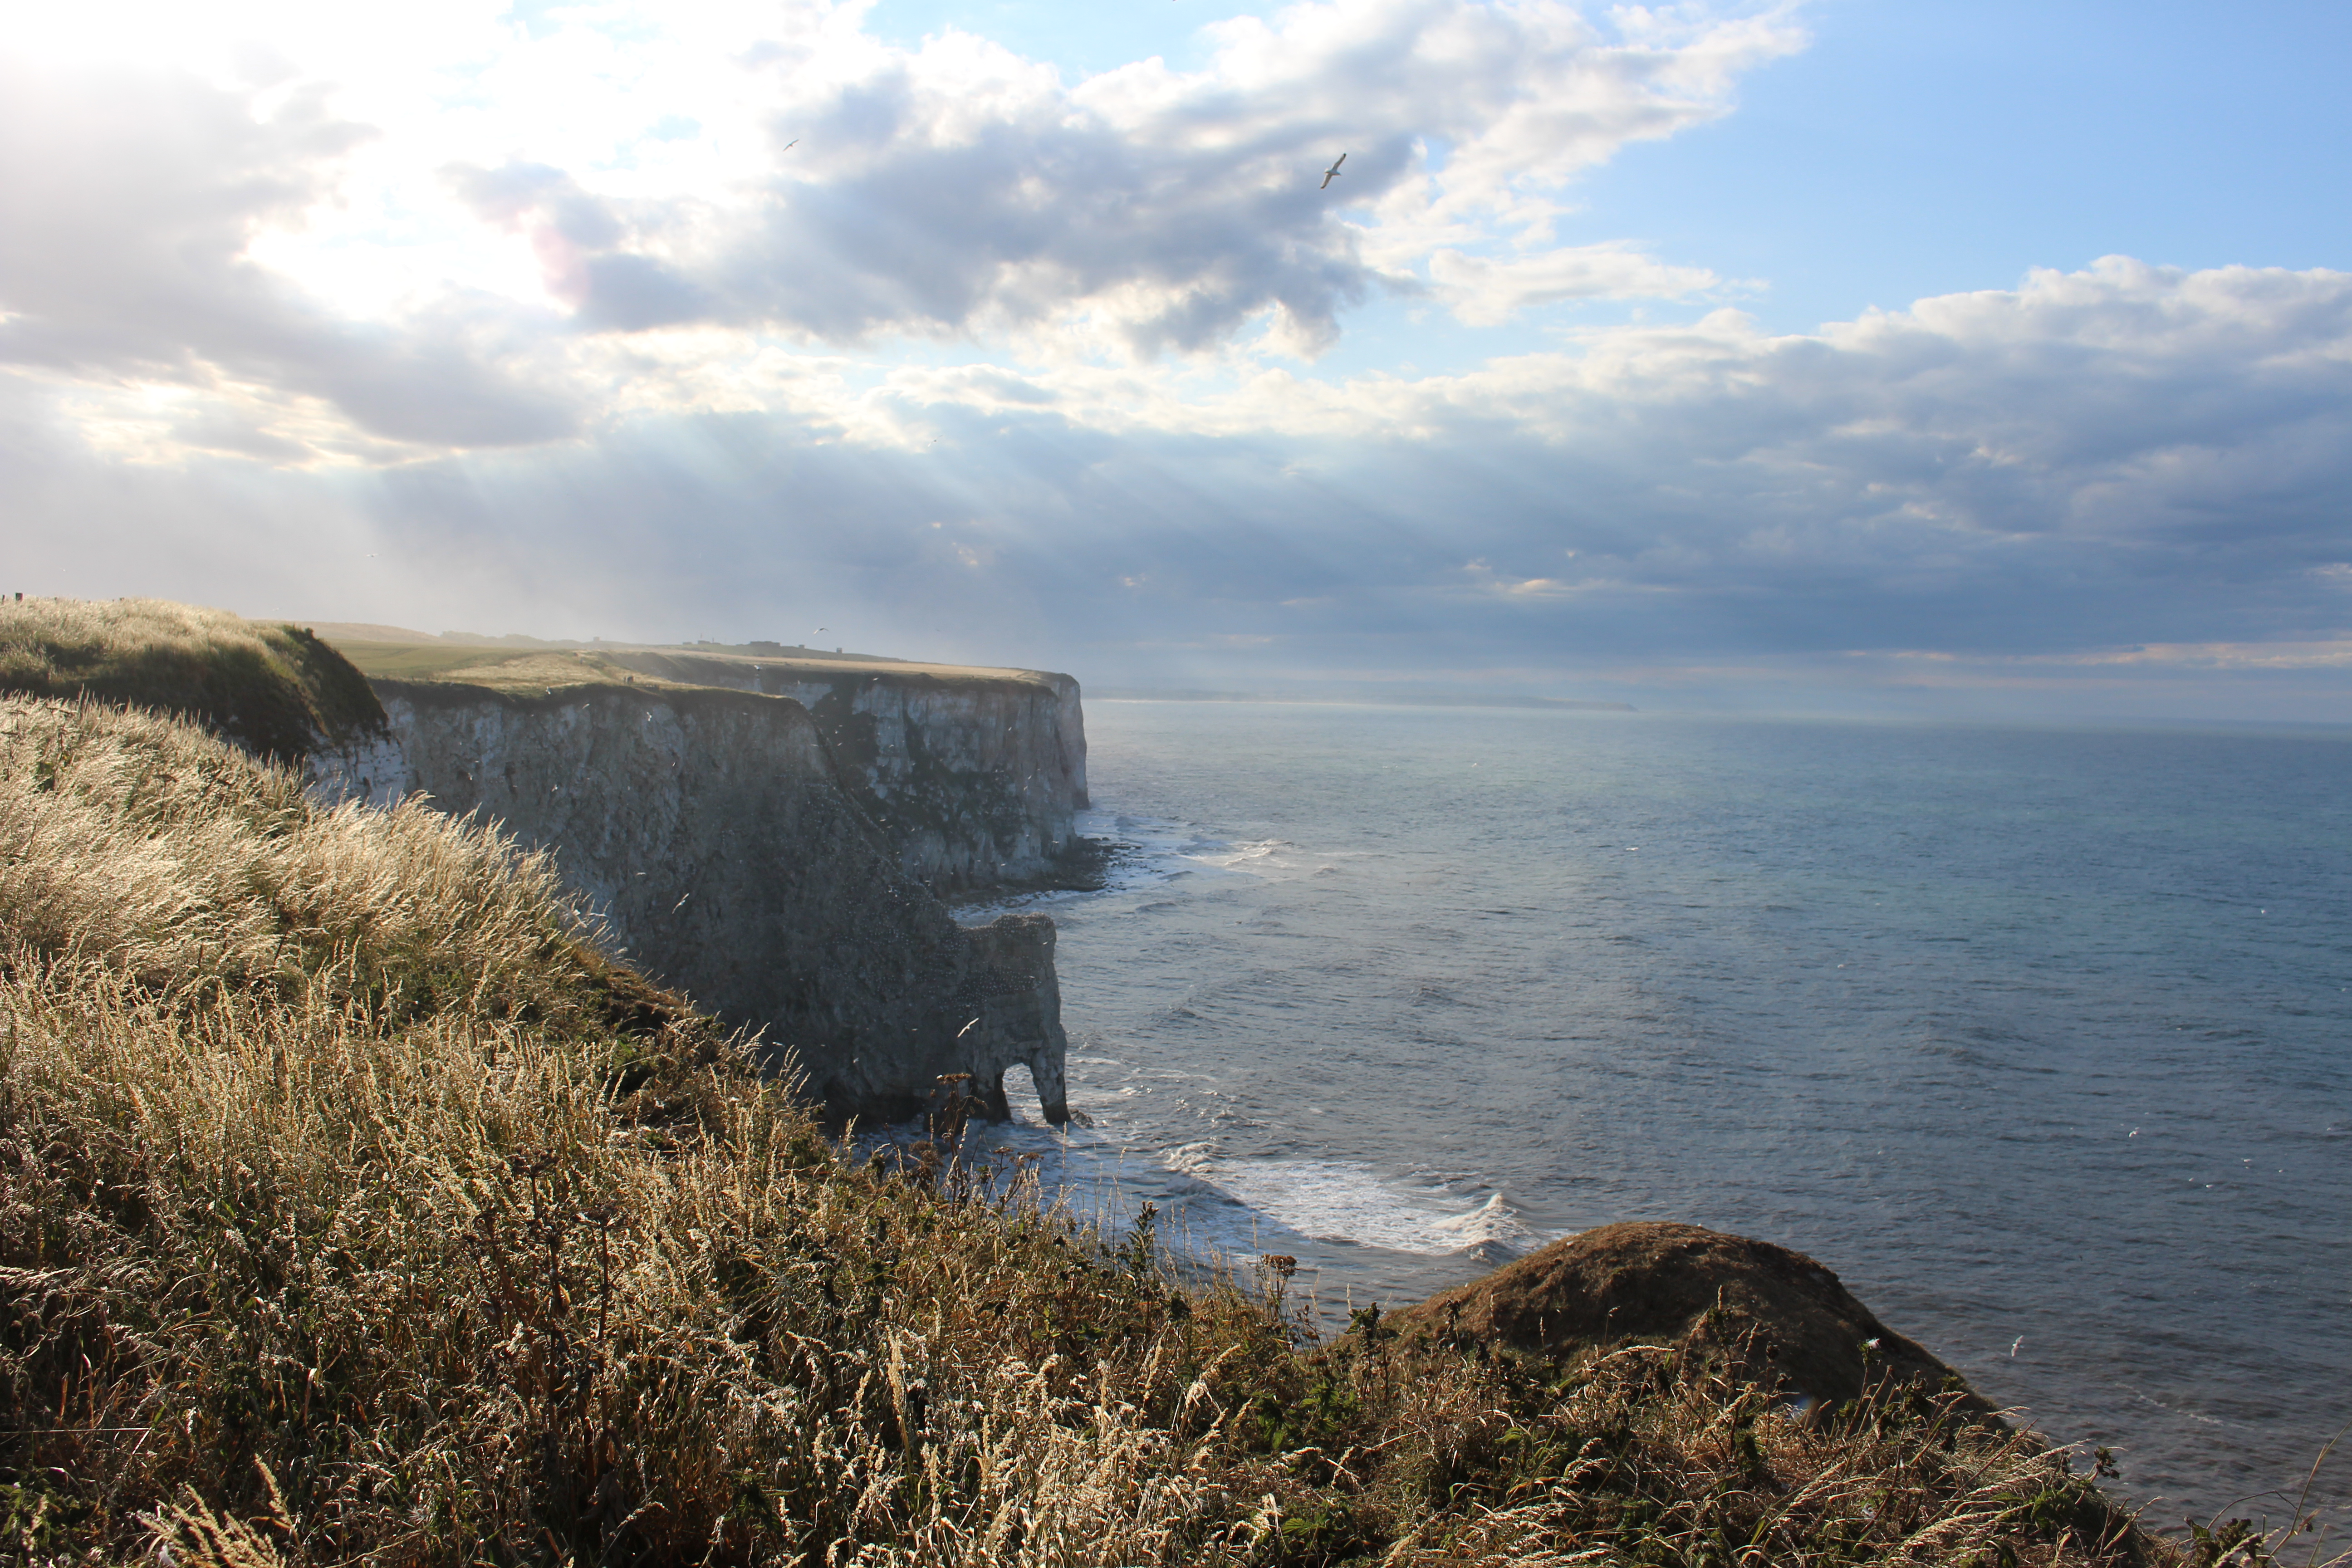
{"x": 958, "y": 188}
{"x": 2124, "y": 401}
{"x": 2113, "y": 455}
{"x": 530, "y": 301}
{"x": 127, "y": 202}
{"x": 439, "y": 227}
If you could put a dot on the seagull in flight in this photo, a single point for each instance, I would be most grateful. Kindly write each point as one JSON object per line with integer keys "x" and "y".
{"x": 789, "y": 145}
{"x": 1332, "y": 172}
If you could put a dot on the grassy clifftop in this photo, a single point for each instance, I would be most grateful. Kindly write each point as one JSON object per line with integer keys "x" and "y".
{"x": 530, "y": 668}
{"x": 353, "y": 1208}
{"x": 277, "y": 691}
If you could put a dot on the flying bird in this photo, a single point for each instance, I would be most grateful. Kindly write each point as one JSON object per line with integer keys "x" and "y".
{"x": 789, "y": 145}
{"x": 1332, "y": 172}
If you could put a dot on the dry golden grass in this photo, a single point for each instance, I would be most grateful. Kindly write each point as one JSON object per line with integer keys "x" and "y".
{"x": 533, "y": 674}
{"x": 143, "y": 843}
{"x": 1656, "y": 1454}
{"x": 352, "y": 1211}
{"x": 276, "y": 689}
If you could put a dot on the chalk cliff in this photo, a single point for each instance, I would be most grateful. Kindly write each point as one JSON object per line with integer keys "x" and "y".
{"x": 732, "y": 852}
{"x": 975, "y": 778}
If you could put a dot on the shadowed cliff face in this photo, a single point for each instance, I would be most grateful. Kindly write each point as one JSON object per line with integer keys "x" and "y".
{"x": 1026, "y": 1006}
{"x": 711, "y": 831}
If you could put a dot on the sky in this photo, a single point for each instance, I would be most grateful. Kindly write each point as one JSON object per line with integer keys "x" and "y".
{"x": 1896, "y": 357}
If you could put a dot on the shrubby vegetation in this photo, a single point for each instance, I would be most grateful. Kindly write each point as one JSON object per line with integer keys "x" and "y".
{"x": 353, "y": 1208}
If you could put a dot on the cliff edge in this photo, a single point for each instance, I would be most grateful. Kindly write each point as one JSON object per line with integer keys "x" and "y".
{"x": 972, "y": 777}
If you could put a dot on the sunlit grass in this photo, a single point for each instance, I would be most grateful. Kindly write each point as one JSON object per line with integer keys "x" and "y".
{"x": 276, "y": 689}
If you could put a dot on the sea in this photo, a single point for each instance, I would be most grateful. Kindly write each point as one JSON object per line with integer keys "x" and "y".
{"x": 2041, "y": 1037}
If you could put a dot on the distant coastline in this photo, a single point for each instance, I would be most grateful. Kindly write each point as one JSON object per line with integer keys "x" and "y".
{"x": 375, "y": 638}
{"x": 1399, "y": 700}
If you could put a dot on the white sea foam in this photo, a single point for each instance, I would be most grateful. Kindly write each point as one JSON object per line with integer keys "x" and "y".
{"x": 1153, "y": 851}
{"x": 1341, "y": 1201}
{"x": 1217, "y": 1204}
{"x": 1144, "y": 852}
{"x": 1267, "y": 860}
{"x": 1148, "y": 852}
{"x": 1263, "y": 853}
{"x": 1490, "y": 1224}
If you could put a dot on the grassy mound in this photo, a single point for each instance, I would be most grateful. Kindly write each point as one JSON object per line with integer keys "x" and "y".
{"x": 276, "y": 690}
{"x": 351, "y": 1210}
{"x": 1647, "y": 1279}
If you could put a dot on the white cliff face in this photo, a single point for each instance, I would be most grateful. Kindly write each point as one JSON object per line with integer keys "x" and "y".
{"x": 624, "y": 784}
{"x": 973, "y": 787}
{"x": 974, "y": 779}
{"x": 711, "y": 832}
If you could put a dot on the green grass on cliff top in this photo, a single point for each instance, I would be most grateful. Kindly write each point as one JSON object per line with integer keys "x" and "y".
{"x": 520, "y": 672}
{"x": 691, "y": 665}
{"x": 277, "y": 691}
